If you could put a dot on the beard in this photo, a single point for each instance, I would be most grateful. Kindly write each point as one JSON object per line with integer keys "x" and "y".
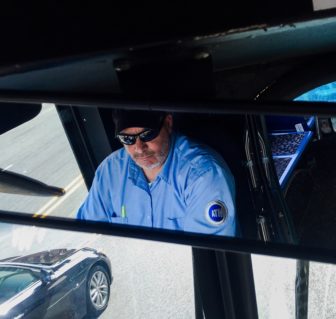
{"x": 157, "y": 159}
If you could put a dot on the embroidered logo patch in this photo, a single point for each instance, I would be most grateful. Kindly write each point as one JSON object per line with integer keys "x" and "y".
{"x": 216, "y": 212}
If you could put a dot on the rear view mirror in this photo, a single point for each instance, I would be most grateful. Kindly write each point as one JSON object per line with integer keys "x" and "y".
{"x": 251, "y": 196}
{"x": 13, "y": 115}
{"x": 14, "y": 183}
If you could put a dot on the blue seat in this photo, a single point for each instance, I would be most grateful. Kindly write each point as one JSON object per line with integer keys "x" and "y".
{"x": 289, "y": 137}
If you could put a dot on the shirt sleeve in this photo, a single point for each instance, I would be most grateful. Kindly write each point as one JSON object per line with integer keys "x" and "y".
{"x": 210, "y": 203}
{"x": 95, "y": 205}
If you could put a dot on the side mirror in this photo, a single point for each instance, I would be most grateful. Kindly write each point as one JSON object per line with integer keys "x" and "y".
{"x": 14, "y": 114}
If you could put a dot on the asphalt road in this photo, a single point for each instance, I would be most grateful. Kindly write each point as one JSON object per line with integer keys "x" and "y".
{"x": 151, "y": 280}
{"x": 39, "y": 149}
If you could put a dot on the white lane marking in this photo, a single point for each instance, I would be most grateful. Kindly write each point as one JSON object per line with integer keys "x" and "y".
{"x": 7, "y": 167}
{"x": 78, "y": 178}
{"x": 43, "y": 209}
{"x": 61, "y": 200}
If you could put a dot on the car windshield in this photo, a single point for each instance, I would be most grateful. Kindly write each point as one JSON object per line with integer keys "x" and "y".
{"x": 13, "y": 280}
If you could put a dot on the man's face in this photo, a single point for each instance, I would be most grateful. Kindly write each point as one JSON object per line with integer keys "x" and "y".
{"x": 152, "y": 154}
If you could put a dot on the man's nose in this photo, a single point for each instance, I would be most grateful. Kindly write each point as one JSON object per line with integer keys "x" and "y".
{"x": 139, "y": 145}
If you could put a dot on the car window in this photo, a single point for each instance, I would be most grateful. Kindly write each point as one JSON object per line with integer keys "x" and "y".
{"x": 13, "y": 281}
{"x": 321, "y": 297}
{"x": 323, "y": 93}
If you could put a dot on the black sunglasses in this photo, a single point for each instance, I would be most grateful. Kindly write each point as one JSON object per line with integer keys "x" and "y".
{"x": 145, "y": 136}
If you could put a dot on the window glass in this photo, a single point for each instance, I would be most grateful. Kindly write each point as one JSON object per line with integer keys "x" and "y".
{"x": 13, "y": 281}
{"x": 321, "y": 294}
{"x": 274, "y": 280}
{"x": 39, "y": 149}
{"x": 323, "y": 4}
{"x": 323, "y": 93}
{"x": 150, "y": 280}
{"x": 275, "y": 288}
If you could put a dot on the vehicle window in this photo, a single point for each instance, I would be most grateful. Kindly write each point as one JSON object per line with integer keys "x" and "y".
{"x": 323, "y": 93}
{"x": 148, "y": 279}
{"x": 323, "y": 4}
{"x": 13, "y": 281}
{"x": 321, "y": 298}
{"x": 39, "y": 150}
{"x": 274, "y": 280}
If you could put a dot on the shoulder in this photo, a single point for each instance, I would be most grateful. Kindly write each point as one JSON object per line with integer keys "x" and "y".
{"x": 198, "y": 159}
{"x": 115, "y": 161}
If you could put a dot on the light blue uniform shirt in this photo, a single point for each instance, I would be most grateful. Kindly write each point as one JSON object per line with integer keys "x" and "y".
{"x": 193, "y": 192}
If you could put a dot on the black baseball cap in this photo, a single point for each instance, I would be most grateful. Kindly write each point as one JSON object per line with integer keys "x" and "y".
{"x": 129, "y": 118}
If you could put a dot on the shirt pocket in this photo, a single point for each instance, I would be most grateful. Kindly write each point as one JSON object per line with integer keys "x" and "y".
{"x": 176, "y": 214}
{"x": 175, "y": 221}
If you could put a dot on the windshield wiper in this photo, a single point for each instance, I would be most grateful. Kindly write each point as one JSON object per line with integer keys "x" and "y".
{"x": 15, "y": 183}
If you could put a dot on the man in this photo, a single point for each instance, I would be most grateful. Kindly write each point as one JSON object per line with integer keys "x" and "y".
{"x": 161, "y": 179}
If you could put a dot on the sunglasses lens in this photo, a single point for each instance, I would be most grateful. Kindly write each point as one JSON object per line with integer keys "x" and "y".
{"x": 148, "y": 135}
{"x": 145, "y": 136}
{"x": 127, "y": 139}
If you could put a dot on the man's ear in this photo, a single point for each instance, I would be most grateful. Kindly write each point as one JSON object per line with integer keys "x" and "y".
{"x": 168, "y": 123}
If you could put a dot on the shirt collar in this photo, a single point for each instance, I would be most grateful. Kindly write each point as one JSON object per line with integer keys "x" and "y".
{"x": 164, "y": 174}
{"x": 135, "y": 174}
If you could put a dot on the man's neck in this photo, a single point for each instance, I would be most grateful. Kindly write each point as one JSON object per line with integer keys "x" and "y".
{"x": 151, "y": 174}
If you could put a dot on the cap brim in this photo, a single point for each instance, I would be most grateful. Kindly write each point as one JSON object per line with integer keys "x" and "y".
{"x": 143, "y": 119}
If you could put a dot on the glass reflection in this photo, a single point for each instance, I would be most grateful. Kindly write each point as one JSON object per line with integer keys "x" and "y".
{"x": 189, "y": 172}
